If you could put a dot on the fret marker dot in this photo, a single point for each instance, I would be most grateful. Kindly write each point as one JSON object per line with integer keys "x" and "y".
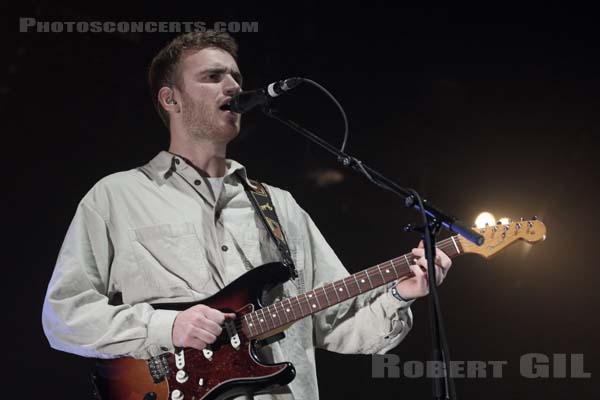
{"x": 362, "y": 281}
{"x": 262, "y": 320}
{"x": 387, "y": 271}
{"x": 274, "y": 315}
{"x": 287, "y": 309}
{"x": 310, "y": 295}
{"x": 314, "y": 306}
{"x": 250, "y": 324}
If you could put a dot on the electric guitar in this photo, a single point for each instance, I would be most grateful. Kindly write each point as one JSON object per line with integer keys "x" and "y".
{"x": 230, "y": 366}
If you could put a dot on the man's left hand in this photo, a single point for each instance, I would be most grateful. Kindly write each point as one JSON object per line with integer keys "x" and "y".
{"x": 418, "y": 285}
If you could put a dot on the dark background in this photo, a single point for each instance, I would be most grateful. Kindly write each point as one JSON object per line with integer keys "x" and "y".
{"x": 479, "y": 109}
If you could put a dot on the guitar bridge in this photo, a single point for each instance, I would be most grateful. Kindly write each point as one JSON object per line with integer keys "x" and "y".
{"x": 159, "y": 367}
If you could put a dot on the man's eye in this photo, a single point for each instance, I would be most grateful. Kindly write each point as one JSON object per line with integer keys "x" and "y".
{"x": 214, "y": 77}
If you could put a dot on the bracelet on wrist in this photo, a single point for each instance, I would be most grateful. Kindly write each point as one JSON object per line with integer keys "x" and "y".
{"x": 396, "y": 294}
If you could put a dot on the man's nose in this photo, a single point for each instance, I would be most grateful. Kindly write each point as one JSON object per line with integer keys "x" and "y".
{"x": 231, "y": 87}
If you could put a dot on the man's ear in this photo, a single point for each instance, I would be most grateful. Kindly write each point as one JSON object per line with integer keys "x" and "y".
{"x": 166, "y": 98}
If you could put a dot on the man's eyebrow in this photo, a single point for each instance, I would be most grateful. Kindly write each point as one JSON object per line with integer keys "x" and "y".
{"x": 222, "y": 70}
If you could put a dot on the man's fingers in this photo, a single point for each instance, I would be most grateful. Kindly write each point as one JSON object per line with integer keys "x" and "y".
{"x": 195, "y": 343}
{"x": 419, "y": 252}
{"x": 196, "y": 338}
{"x": 440, "y": 274}
{"x": 210, "y": 326}
{"x": 217, "y": 316}
{"x": 421, "y": 266}
{"x": 203, "y": 335}
{"x": 446, "y": 262}
{"x": 422, "y": 262}
{"x": 214, "y": 315}
{"x": 421, "y": 278}
{"x": 416, "y": 270}
{"x": 440, "y": 257}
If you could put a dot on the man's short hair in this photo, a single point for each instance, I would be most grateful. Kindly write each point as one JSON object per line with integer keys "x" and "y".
{"x": 164, "y": 69}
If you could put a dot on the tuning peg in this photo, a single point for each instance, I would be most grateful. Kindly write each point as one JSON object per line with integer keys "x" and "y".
{"x": 522, "y": 219}
{"x": 535, "y": 218}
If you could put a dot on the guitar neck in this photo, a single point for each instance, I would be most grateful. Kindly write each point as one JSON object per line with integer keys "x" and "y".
{"x": 289, "y": 310}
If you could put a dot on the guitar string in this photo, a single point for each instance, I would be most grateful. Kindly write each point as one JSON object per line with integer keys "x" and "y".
{"x": 446, "y": 245}
{"x": 351, "y": 280}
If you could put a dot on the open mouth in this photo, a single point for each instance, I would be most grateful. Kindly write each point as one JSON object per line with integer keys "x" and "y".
{"x": 226, "y": 106}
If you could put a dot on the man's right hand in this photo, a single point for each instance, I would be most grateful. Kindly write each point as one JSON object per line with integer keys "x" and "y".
{"x": 198, "y": 326}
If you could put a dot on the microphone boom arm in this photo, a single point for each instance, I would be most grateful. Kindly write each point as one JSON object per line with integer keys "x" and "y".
{"x": 448, "y": 221}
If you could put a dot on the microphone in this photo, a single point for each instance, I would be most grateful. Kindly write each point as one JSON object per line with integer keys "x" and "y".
{"x": 245, "y": 101}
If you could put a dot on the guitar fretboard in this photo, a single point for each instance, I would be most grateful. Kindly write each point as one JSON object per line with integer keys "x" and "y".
{"x": 292, "y": 309}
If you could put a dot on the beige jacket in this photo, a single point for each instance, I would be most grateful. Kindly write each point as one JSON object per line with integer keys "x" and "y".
{"x": 141, "y": 237}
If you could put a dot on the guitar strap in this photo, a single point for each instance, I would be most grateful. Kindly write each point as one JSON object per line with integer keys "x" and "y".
{"x": 261, "y": 201}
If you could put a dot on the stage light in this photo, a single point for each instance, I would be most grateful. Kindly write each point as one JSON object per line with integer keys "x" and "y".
{"x": 485, "y": 218}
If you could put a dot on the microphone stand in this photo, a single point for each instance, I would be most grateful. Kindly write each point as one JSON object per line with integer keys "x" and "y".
{"x": 433, "y": 220}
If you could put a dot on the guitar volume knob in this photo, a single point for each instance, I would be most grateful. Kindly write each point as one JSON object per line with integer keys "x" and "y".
{"x": 181, "y": 376}
{"x": 176, "y": 395}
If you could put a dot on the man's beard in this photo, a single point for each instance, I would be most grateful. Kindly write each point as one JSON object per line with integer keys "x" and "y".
{"x": 203, "y": 122}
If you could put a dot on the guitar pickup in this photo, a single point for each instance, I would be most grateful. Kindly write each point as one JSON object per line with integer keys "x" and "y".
{"x": 271, "y": 339}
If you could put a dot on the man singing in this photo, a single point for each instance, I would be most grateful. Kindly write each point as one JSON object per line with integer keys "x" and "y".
{"x": 182, "y": 227}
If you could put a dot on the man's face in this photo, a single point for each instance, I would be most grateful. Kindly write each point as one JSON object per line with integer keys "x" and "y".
{"x": 209, "y": 78}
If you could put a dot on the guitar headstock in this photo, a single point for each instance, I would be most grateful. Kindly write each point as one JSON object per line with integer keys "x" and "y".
{"x": 499, "y": 236}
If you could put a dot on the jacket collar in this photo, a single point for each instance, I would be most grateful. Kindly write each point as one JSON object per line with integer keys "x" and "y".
{"x": 165, "y": 164}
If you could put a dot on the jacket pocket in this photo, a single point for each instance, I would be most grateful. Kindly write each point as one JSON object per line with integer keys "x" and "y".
{"x": 171, "y": 260}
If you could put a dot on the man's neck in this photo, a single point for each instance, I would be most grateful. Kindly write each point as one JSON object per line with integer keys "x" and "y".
{"x": 209, "y": 158}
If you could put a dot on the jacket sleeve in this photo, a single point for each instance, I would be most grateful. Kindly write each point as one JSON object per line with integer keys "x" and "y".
{"x": 373, "y": 322}
{"x": 77, "y": 317}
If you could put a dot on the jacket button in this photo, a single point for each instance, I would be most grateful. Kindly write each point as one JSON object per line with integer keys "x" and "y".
{"x": 224, "y": 248}
{"x": 197, "y": 182}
